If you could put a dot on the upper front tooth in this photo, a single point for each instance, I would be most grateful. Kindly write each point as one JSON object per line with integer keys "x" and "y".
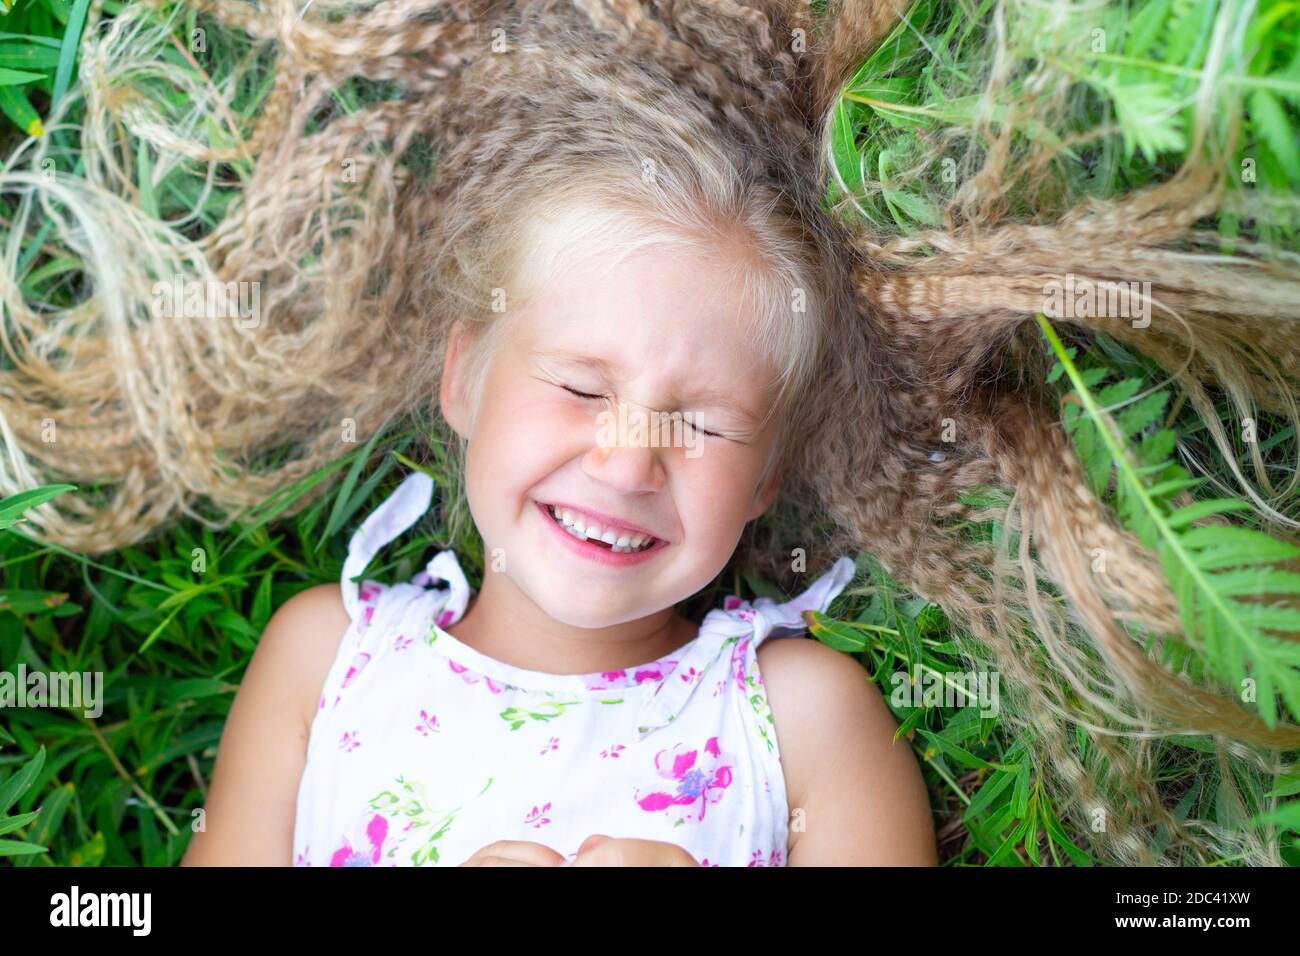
{"x": 623, "y": 539}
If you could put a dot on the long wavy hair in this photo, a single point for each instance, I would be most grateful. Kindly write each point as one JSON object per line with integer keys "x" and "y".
{"x": 374, "y": 231}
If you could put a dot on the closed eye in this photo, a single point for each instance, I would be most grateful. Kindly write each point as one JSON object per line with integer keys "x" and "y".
{"x": 705, "y": 431}
{"x": 580, "y": 394}
{"x": 588, "y": 395}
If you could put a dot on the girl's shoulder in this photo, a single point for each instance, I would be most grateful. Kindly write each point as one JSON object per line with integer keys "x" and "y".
{"x": 305, "y": 633}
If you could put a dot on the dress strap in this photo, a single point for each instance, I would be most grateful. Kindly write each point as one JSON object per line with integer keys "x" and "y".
{"x": 399, "y": 511}
{"x": 745, "y": 622}
{"x": 787, "y": 617}
{"x": 445, "y": 567}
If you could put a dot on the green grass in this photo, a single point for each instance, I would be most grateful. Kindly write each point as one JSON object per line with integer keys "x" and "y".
{"x": 172, "y": 622}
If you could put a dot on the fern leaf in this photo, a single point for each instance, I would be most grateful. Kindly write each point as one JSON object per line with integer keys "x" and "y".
{"x": 1225, "y": 615}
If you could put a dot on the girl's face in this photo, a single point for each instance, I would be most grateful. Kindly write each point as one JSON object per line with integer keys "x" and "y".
{"x": 661, "y": 332}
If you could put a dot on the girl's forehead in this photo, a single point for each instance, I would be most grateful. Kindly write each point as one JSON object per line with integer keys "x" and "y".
{"x": 620, "y": 346}
{"x": 651, "y": 288}
{"x": 657, "y": 310}
{"x": 604, "y": 315}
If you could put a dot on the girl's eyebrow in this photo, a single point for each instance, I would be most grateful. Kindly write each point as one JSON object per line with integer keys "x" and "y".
{"x": 704, "y": 394}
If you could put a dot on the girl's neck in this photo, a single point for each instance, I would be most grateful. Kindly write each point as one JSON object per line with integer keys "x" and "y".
{"x": 503, "y": 623}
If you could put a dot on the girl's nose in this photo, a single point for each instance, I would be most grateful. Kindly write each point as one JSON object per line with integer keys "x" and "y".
{"x": 628, "y": 468}
{"x": 625, "y": 458}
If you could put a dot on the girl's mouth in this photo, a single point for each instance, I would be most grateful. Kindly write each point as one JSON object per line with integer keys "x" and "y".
{"x": 607, "y": 545}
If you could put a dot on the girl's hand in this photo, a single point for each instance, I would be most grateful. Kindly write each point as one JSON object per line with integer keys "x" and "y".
{"x": 515, "y": 853}
{"x": 601, "y": 850}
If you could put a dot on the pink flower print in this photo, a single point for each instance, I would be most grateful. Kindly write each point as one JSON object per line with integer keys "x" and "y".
{"x": 705, "y": 862}
{"x": 358, "y": 665}
{"x": 691, "y": 674}
{"x": 402, "y": 642}
{"x": 612, "y": 751}
{"x": 469, "y": 677}
{"x": 655, "y": 671}
{"x": 731, "y": 603}
{"x": 537, "y": 817}
{"x": 366, "y": 616}
{"x": 303, "y": 858}
{"x": 746, "y": 615}
{"x": 445, "y": 618}
{"x": 607, "y": 680}
{"x": 358, "y": 853}
{"x": 349, "y": 742}
{"x": 369, "y": 592}
{"x": 702, "y": 777}
{"x": 773, "y": 858}
{"x": 552, "y": 744}
{"x": 428, "y": 724}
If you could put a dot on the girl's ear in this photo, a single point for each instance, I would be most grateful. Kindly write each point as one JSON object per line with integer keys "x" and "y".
{"x": 451, "y": 393}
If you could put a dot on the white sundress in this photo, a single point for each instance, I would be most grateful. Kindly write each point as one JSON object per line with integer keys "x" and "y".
{"x": 423, "y": 750}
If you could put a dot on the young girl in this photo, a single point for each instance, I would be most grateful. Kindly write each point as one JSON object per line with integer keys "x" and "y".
{"x": 567, "y": 699}
{"x": 553, "y": 214}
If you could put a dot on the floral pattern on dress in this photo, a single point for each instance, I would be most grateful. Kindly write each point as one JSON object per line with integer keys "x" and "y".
{"x": 425, "y": 825}
{"x": 363, "y": 849}
{"x": 755, "y": 693}
{"x": 544, "y": 711}
{"x": 701, "y": 777}
{"x": 470, "y": 677}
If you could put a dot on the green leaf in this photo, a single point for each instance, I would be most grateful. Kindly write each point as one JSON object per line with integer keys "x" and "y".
{"x": 1203, "y": 509}
{"x": 10, "y": 77}
{"x": 839, "y": 635}
{"x": 68, "y": 50}
{"x": 848, "y": 162}
{"x": 1145, "y": 26}
{"x": 27, "y": 56}
{"x": 1270, "y": 121}
{"x": 14, "y": 787}
{"x": 1286, "y": 816}
{"x": 1143, "y": 413}
{"x": 15, "y": 105}
{"x": 18, "y": 848}
{"x": 10, "y": 824}
{"x": 961, "y": 755}
{"x": 1149, "y": 117}
{"x": 912, "y": 208}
